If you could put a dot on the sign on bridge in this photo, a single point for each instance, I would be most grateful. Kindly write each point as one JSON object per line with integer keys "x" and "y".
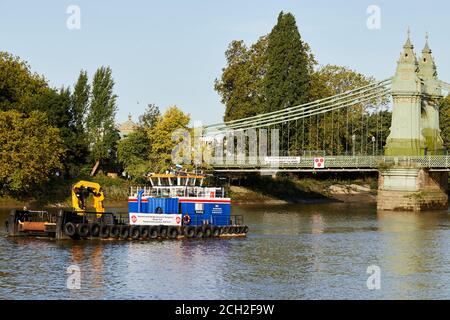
{"x": 281, "y": 160}
{"x": 319, "y": 163}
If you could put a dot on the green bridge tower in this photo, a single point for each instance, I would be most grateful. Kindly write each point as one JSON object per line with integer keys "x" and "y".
{"x": 416, "y": 92}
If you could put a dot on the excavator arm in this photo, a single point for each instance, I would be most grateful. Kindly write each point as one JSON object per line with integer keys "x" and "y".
{"x": 81, "y": 191}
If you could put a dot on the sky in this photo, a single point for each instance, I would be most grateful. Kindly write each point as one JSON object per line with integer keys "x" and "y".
{"x": 169, "y": 52}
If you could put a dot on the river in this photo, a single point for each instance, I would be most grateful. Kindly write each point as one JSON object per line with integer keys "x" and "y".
{"x": 313, "y": 251}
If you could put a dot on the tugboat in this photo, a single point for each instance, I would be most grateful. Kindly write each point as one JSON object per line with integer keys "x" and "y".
{"x": 176, "y": 205}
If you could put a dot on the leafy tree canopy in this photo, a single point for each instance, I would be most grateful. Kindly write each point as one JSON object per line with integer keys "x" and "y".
{"x": 30, "y": 149}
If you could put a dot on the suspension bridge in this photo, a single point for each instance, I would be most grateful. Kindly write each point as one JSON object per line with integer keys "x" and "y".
{"x": 390, "y": 126}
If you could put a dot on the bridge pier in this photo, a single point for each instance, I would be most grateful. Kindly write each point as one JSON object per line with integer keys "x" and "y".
{"x": 412, "y": 189}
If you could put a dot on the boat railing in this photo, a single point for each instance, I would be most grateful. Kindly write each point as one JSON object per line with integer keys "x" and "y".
{"x": 177, "y": 191}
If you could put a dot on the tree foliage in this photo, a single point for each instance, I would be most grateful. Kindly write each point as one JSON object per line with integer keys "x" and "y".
{"x": 19, "y": 87}
{"x": 289, "y": 66}
{"x": 161, "y": 137}
{"x": 241, "y": 86}
{"x": 444, "y": 119}
{"x": 30, "y": 148}
{"x": 100, "y": 122}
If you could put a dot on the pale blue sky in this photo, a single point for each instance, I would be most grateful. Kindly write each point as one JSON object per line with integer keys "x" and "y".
{"x": 170, "y": 52}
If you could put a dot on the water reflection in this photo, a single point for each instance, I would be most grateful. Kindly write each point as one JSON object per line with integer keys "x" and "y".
{"x": 311, "y": 251}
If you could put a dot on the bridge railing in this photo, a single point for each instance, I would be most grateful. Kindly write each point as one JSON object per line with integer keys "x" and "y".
{"x": 340, "y": 162}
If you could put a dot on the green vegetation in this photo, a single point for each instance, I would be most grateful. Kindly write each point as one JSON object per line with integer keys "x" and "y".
{"x": 279, "y": 71}
{"x": 30, "y": 151}
{"x": 100, "y": 122}
{"x": 444, "y": 118}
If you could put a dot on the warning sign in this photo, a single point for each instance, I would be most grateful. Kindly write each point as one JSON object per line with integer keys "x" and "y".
{"x": 152, "y": 219}
{"x": 319, "y": 163}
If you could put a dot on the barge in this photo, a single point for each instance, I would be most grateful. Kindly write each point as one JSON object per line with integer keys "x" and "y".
{"x": 176, "y": 205}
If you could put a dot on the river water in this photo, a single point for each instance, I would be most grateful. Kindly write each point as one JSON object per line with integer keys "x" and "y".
{"x": 313, "y": 251}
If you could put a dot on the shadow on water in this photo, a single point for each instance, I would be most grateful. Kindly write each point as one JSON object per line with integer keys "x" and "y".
{"x": 308, "y": 251}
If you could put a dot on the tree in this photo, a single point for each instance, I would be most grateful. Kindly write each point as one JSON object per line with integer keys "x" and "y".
{"x": 289, "y": 66}
{"x": 150, "y": 116}
{"x": 133, "y": 153}
{"x": 102, "y": 133}
{"x": 18, "y": 85}
{"x": 30, "y": 149}
{"x": 79, "y": 146}
{"x": 80, "y": 101}
{"x": 241, "y": 86}
{"x": 161, "y": 137}
{"x": 444, "y": 119}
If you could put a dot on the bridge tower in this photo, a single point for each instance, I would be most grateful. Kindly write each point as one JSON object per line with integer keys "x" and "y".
{"x": 406, "y": 137}
{"x": 414, "y": 132}
{"x": 431, "y": 96}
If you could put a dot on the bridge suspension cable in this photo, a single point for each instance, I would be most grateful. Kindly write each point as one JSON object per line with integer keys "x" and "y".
{"x": 307, "y": 112}
{"x": 349, "y": 98}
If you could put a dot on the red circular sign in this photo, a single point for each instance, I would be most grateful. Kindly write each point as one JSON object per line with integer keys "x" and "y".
{"x": 133, "y": 218}
{"x": 178, "y": 220}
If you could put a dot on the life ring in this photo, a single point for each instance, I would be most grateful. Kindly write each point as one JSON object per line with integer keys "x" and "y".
{"x": 186, "y": 220}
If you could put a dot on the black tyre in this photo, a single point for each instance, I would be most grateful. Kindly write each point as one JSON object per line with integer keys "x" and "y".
{"x": 145, "y": 233}
{"x": 216, "y": 232}
{"x": 226, "y": 230}
{"x": 70, "y": 229}
{"x": 104, "y": 231}
{"x": 245, "y": 229}
{"x": 199, "y": 232}
{"x": 207, "y": 232}
{"x": 83, "y": 230}
{"x": 172, "y": 233}
{"x": 154, "y": 233}
{"x": 124, "y": 232}
{"x": 189, "y": 232}
{"x": 114, "y": 232}
{"x": 95, "y": 229}
{"x": 163, "y": 232}
{"x": 135, "y": 232}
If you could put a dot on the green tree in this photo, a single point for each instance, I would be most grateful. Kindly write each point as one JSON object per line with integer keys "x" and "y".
{"x": 30, "y": 148}
{"x": 100, "y": 125}
{"x": 79, "y": 146}
{"x": 150, "y": 117}
{"x": 444, "y": 119}
{"x": 161, "y": 137}
{"x": 133, "y": 153}
{"x": 18, "y": 85}
{"x": 289, "y": 66}
{"x": 241, "y": 86}
{"x": 80, "y": 101}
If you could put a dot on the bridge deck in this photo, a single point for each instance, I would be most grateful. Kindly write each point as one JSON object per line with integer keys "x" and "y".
{"x": 332, "y": 163}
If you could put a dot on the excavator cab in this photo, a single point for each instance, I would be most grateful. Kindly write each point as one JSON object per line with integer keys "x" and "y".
{"x": 81, "y": 192}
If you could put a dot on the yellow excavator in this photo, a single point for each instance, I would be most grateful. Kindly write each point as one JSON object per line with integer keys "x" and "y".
{"x": 81, "y": 191}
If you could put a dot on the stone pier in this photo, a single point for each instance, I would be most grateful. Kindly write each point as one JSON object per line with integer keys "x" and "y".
{"x": 412, "y": 189}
